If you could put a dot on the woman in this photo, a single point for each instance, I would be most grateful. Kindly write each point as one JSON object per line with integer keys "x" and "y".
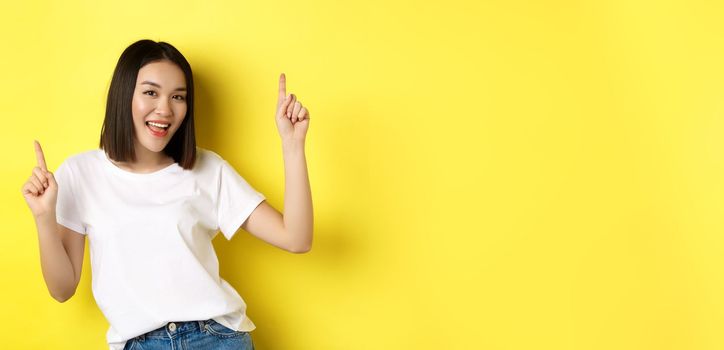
{"x": 150, "y": 203}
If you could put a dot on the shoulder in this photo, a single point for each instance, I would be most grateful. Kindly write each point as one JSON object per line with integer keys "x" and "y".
{"x": 207, "y": 155}
{"x": 83, "y": 159}
{"x": 79, "y": 166}
{"x": 211, "y": 157}
{"x": 210, "y": 163}
{"x": 207, "y": 161}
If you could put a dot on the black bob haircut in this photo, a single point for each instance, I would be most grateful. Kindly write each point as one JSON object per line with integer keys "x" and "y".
{"x": 117, "y": 134}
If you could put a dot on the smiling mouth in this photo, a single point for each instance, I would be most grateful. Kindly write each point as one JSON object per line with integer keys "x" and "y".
{"x": 157, "y": 129}
{"x": 161, "y": 126}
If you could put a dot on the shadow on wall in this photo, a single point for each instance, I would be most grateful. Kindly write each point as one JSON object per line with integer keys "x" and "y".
{"x": 340, "y": 243}
{"x": 206, "y": 114}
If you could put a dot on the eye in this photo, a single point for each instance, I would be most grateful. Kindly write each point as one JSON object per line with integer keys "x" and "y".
{"x": 150, "y": 93}
{"x": 179, "y": 97}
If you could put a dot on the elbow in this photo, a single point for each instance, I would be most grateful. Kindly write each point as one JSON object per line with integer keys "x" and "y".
{"x": 300, "y": 248}
{"x": 62, "y": 297}
{"x": 299, "y": 242}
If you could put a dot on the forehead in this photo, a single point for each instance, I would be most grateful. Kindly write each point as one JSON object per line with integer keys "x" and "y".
{"x": 165, "y": 73}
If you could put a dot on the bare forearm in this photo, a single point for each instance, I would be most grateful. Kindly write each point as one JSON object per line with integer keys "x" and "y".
{"x": 298, "y": 217}
{"x": 54, "y": 261}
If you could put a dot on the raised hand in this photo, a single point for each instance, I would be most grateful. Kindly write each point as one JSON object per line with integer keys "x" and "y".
{"x": 41, "y": 190}
{"x": 292, "y": 118}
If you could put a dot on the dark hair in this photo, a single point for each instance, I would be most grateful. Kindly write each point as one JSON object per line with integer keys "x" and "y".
{"x": 117, "y": 132}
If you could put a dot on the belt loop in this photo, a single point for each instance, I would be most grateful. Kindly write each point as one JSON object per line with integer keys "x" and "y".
{"x": 201, "y": 325}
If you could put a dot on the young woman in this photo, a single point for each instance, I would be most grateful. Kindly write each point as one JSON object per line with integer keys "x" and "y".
{"x": 150, "y": 203}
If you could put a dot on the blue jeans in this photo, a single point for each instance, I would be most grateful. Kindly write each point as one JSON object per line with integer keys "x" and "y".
{"x": 200, "y": 335}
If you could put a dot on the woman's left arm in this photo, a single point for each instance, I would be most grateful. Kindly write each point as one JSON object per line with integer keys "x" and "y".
{"x": 293, "y": 230}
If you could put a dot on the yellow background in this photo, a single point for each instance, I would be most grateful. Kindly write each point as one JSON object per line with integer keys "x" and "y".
{"x": 485, "y": 174}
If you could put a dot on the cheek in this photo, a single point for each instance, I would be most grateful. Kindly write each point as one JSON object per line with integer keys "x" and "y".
{"x": 139, "y": 108}
{"x": 181, "y": 111}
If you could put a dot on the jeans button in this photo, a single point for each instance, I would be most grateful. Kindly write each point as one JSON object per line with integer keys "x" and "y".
{"x": 172, "y": 327}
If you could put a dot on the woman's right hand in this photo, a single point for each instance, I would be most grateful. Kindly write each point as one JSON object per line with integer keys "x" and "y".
{"x": 41, "y": 190}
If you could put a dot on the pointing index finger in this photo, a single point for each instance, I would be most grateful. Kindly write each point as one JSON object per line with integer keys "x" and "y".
{"x": 39, "y": 155}
{"x": 282, "y": 88}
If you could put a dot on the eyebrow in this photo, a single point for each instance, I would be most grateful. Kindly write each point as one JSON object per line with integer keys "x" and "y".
{"x": 159, "y": 86}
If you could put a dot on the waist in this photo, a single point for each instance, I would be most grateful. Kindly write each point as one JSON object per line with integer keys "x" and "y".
{"x": 174, "y": 329}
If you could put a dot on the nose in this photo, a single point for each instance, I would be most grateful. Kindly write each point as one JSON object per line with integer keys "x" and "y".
{"x": 163, "y": 108}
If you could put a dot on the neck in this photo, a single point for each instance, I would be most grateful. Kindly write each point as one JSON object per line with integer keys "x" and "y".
{"x": 147, "y": 161}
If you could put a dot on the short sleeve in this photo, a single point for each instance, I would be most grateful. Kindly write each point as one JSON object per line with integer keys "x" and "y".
{"x": 67, "y": 209}
{"x": 236, "y": 200}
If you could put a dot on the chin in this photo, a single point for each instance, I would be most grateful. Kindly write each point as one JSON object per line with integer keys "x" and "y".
{"x": 154, "y": 146}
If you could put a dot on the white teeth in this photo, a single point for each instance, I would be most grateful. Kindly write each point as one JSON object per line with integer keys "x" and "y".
{"x": 158, "y": 125}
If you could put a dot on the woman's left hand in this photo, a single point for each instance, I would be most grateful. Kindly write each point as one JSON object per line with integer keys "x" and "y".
{"x": 292, "y": 118}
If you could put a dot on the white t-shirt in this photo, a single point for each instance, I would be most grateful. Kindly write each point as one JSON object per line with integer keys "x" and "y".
{"x": 150, "y": 238}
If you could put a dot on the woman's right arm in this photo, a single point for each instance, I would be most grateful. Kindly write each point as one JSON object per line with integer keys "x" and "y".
{"x": 61, "y": 257}
{"x": 61, "y": 249}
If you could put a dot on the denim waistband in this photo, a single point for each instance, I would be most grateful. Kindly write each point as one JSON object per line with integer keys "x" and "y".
{"x": 173, "y": 329}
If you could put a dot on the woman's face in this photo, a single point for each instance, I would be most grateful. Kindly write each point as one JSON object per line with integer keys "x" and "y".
{"x": 158, "y": 105}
